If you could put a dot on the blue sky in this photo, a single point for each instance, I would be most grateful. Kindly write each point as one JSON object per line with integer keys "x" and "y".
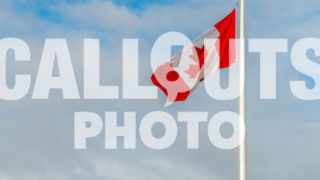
{"x": 36, "y": 137}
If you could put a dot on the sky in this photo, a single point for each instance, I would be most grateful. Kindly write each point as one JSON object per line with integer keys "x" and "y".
{"x": 36, "y": 136}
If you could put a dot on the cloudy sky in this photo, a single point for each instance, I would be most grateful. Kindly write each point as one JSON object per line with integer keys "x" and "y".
{"x": 36, "y": 136}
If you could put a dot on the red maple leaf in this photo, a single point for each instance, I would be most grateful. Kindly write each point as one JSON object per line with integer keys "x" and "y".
{"x": 199, "y": 55}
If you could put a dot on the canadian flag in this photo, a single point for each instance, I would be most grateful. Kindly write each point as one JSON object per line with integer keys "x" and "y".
{"x": 215, "y": 49}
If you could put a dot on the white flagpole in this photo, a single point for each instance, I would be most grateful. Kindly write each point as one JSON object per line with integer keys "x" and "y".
{"x": 242, "y": 98}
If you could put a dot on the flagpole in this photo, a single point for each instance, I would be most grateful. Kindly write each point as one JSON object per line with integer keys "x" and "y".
{"x": 242, "y": 98}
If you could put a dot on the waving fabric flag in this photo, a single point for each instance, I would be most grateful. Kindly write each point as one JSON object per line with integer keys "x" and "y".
{"x": 215, "y": 49}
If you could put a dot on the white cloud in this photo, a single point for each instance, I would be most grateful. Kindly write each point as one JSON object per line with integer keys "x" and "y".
{"x": 36, "y": 136}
